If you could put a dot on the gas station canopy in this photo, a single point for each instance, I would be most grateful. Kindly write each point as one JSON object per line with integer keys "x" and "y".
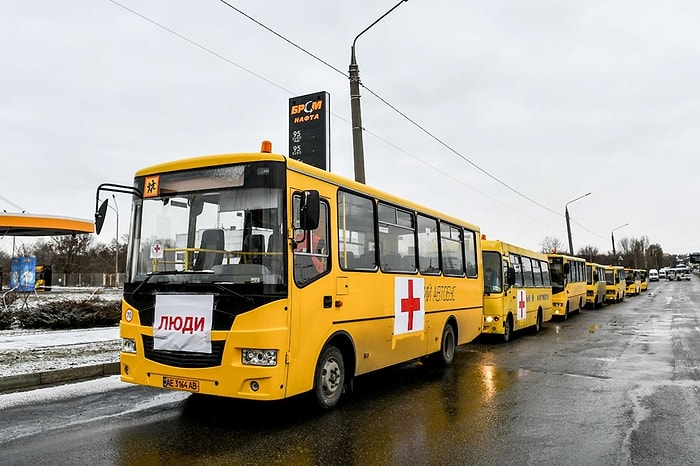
{"x": 12, "y": 224}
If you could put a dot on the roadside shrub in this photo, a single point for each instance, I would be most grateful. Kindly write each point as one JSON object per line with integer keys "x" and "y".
{"x": 70, "y": 314}
{"x": 6, "y": 318}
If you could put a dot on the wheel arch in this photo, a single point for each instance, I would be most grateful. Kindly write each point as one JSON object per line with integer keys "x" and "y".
{"x": 346, "y": 345}
{"x": 455, "y": 327}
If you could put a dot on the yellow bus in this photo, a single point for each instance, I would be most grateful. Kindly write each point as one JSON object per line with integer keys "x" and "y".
{"x": 568, "y": 274}
{"x": 259, "y": 277}
{"x": 633, "y": 282}
{"x": 615, "y": 283}
{"x": 595, "y": 285}
{"x": 644, "y": 280}
{"x": 517, "y": 289}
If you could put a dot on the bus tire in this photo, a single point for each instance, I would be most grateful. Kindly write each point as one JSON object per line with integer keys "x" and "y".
{"x": 538, "y": 323}
{"x": 448, "y": 345}
{"x": 566, "y": 311}
{"x": 329, "y": 378}
{"x": 508, "y": 328}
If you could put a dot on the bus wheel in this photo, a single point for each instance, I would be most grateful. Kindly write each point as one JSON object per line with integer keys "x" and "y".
{"x": 447, "y": 347}
{"x": 566, "y": 312}
{"x": 329, "y": 378}
{"x": 538, "y": 324}
{"x": 508, "y": 329}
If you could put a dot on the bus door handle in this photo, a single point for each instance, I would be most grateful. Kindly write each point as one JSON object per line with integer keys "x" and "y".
{"x": 327, "y": 302}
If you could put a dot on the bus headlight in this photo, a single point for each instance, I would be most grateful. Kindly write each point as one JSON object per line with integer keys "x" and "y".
{"x": 488, "y": 319}
{"x": 128, "y": 345}
{"x": 259, "y": 357}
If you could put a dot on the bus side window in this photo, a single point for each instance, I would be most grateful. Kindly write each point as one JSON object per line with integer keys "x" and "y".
{"x": 311, "y": 248}
{"x": 356, "y": 232}
{"x": 515, "y": 262}
{"x": 428, "y": 261}
{"x": 470, "y": 253}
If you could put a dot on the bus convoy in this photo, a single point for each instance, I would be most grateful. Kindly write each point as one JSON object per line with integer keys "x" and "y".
{"x": 259, "y": 277}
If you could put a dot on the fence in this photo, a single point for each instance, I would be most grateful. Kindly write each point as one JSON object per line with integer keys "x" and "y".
{"x": 103, "y": 280}
{"x": 106, "y": 280}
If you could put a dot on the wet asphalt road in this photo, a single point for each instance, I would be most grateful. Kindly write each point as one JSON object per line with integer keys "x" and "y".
{"x": 619, "y": 385}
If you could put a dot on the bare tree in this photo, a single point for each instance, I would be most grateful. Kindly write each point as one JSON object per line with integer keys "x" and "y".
{"x": 71, "y": 253}
{"x": 551, "y": 245}
{"x": 590, "y": 253}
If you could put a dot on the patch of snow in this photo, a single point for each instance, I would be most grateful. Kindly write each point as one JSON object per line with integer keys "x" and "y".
{"x": 30, "y": 351}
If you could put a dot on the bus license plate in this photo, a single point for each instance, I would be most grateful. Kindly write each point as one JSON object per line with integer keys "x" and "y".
{"x": 181, "y": 384}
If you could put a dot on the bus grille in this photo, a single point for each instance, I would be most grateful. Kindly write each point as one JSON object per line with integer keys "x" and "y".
{"x": 183, "y": 358}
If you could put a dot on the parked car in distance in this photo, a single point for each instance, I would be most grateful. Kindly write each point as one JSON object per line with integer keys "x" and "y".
{"x": 653, "y": 275}
{"x": 662, "y": 272}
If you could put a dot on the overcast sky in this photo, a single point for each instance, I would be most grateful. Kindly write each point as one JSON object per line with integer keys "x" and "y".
{"x": 552, "y": 98}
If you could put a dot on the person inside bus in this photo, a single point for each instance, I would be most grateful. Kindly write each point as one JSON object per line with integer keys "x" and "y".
{"x": 311, "y": 262}
{"x": 492, "y": 280}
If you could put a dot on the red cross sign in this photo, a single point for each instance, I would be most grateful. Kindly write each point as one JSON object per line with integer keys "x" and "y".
{"x": 156, "y": 250}
{"x": 522, "y": 304}
{"x": 409, "y": 312}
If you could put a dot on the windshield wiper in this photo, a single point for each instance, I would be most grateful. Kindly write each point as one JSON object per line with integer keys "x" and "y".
{"x": 169, "y": 272}
{"x": 247, "y": 299}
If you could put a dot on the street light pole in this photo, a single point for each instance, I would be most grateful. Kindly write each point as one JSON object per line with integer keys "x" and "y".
{"x": 568, "y": 224}
{"x": 355, "y": 109}
{"x": 116, "y": 242}
{"x": 612, "y": 236}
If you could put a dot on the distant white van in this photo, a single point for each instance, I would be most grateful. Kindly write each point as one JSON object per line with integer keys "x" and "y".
{"x": 653, "y": 275}
{"x": 662, "y": 273}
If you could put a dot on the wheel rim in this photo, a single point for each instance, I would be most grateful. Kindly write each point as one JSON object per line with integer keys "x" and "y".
{"x": 449, "y": 345}
{"x": 331, "y": 377}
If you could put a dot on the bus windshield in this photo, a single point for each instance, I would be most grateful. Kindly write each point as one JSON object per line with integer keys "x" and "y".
{"x": 558, "y": 276}
{"x": 222, "y": 225}
{"x": 610, "y": 277}
{"x": 492, "y": 272}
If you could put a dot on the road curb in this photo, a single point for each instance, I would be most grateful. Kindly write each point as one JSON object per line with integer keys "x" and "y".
{"x": 24, "y": 382}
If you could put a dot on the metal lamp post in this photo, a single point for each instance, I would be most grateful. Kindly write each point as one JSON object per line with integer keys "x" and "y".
{"x": 116, "y": 242}
{"x": 612, "y": 235}
{"x": 568, "y": 224}
{"x": 356, "y": 114}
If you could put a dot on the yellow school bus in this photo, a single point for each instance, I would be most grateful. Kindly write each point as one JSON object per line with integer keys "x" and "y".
{"x": 517, "y": 289}
{"x": 259, "y": 277}
{"x": 595, "y": 285}
{"x": 614, "y": 283}
{"x": 633, "y": 282}
{"x": 568, "y": 275}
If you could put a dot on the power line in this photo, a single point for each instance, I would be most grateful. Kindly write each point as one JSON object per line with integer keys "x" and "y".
{"x": 200, "y": 46}
{"x": 406, "y": 117}
{"x": 395, "y": 109}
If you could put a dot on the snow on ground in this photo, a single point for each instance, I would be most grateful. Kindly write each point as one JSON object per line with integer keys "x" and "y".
{"x": 29, "y": 351}
{"x": 24, "y": 351}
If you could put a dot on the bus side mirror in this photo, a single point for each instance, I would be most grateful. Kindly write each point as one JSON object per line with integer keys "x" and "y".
{"x": 310, "y": 210}
{"x": 100, "y": 217}
{"x": 510, "y": 276}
